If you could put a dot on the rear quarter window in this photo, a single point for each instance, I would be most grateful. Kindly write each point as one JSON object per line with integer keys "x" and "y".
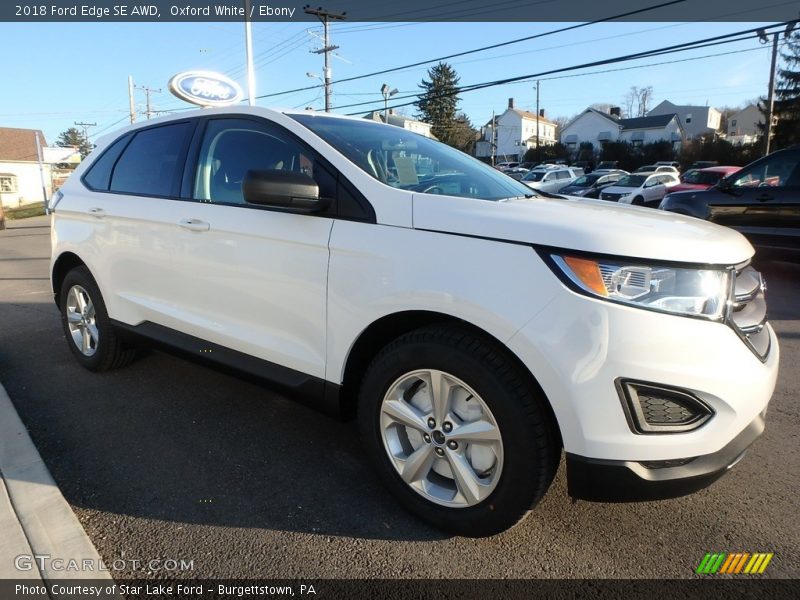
{"x": 99, "y": 174}
{"x": 152, "y": 162}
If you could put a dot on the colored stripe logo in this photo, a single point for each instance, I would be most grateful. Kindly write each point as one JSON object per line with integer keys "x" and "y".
{"x": 734, "y": 563}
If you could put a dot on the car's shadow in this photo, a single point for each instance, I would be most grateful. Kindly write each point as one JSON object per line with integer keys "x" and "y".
{"x": 170, "y": 440}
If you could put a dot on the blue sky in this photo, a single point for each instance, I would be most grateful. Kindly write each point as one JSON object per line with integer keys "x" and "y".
{"x": 55, "y": 74}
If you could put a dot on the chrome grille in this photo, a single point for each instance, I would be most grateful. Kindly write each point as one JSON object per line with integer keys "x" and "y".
{"x": 748, "y": 310}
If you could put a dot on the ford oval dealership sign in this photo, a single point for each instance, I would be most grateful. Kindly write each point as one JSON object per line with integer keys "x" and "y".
{"x": 205, "y": 88}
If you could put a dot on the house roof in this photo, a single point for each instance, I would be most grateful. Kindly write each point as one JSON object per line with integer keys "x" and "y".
{"x": 529, "y": 115}
{"x": 19, "y": 144}
{"x": 654, "y": 122}
{"x": 591, "y": 110}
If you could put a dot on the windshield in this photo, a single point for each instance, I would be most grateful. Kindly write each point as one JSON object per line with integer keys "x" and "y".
{"x": 412, "y": 162}
{"x": 631, "y": 181}
{"x": 585, "y": 180}
{"x": 534, "y": 176}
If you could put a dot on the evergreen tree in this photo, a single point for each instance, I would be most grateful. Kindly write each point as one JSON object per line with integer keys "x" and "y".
{"x": 75, "y": 138}
{"x": 438, "y": 104}
{"x": 787, "y": 97}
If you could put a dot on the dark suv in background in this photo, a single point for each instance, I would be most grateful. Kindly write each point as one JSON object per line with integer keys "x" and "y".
{"x": 762, "y": 201}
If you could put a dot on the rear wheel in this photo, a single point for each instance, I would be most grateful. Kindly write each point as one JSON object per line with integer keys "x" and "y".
{"x": 456, "y": 430}
{"x": 89, "y": 332}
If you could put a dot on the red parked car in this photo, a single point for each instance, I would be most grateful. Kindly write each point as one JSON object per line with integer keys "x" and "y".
{"x": 702, "y": 179}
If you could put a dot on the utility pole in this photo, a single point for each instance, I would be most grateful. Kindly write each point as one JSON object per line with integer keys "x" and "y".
{"x": 147, "y": 91}
{"x": 494, "y": 138}
{"x": 248, "y": 45}
{"x": 325, "y": 17}
{"x": 771, "y": 97}
{"x": 537, "y": 119}
{"x": 85, "y": 127}
{"x": 131, "y": 103}
{"x": 762, "y": 35}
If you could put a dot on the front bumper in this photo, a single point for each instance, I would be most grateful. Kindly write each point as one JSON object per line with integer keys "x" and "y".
{"x": 630, "y": 481}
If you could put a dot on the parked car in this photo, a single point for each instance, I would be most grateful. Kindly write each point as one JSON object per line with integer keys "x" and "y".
{"x": 640, "y": 189}
{"x": 761, "y": 200}
{"x": 504, "y": 166}
{"x": 702, "y": 179}
{"x": 550, "y": 179}
{"x": 584, "y": 165}
{"x": 657, "y": 169}
{"x": 607, "y": 165}
{"x": 517, "y": 172}
{"x": 704, "y": 164}
{"x": 473, "y": 326}
{"x": 589, "y": 186}
{"x": 669, "y": 163}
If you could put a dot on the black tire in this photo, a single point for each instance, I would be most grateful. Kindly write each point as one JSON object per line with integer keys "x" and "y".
{"x": 109, "y": 351}
{"x": 531, "y": 445}
{"x": 638, "y": 201}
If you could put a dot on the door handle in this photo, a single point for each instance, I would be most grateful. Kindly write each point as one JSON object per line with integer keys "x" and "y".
{"x": 97, "y": 212}
{"x": 194, "y": 224}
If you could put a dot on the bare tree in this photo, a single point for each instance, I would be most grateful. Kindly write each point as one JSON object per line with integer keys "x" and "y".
{"x": 637, "y": 101}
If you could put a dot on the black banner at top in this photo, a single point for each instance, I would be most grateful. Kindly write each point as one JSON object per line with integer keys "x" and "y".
{"x": 405, "y": 11}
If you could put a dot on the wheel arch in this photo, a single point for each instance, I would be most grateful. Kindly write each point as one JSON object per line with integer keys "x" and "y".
{"x": 388, "y": 328}
{"x": 63, "y": 265}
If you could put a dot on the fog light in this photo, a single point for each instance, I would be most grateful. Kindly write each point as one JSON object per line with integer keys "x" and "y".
{"x": 653, "y": 408}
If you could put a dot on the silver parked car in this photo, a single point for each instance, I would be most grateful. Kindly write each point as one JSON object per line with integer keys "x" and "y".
{"x": 551, "y": 179}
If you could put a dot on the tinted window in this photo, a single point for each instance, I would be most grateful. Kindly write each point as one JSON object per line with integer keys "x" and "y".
{"x": 150, "y": 163}
{"x": 231, "y": 147}
{"x": 99, "y": 174}
{"x": 778, "y": 170}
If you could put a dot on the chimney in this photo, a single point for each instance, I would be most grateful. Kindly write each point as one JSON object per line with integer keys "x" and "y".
{"x": 541, "y": 113}
{"x": 615, "y": 111}
{"x": 511, "y": 103}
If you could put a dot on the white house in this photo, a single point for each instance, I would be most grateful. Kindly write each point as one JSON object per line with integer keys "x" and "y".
{"x": 596, "y": 127}
{"x": 20, "y": 175}
{"x": 743, "y": 125}
{"x": 402, "y": 121}
{"x": 514, "y": 132}
{"x": 696, "y": 120}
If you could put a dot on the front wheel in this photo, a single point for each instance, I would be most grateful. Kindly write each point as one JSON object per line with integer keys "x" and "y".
{"x": 457, "y": 431}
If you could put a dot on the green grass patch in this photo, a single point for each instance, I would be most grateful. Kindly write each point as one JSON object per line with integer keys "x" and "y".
{"x": 23, "y": 212}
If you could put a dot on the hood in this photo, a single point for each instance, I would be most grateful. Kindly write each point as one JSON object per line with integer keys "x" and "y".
{"x": 584, "y": 224}
{"x": 615, "y": 189}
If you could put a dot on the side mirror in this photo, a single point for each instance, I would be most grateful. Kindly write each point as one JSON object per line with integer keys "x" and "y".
{"x": 290, "y": 190}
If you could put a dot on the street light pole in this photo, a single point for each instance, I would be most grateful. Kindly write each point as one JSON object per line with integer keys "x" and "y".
{"x": 387, "y": 93}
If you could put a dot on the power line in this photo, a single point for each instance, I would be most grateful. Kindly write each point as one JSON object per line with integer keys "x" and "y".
{"x": 707, "y": 42}
{"x": 484, "y": 48}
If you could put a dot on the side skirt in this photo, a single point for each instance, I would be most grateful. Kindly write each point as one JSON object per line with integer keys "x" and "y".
{"x": 312, "y": 391}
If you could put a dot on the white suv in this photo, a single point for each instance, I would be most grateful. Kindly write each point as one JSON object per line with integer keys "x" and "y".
{"x": 474, "y": 327}
{"x": 551, "y": 179}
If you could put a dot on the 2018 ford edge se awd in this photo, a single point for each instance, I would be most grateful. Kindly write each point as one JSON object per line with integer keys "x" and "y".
{"x": 474, "y": 327}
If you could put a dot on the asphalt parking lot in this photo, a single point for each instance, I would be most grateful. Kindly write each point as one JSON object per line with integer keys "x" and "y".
{"x": 168, "y": 459}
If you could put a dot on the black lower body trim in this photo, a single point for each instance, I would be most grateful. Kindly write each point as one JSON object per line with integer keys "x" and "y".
{"x": 312, "y": 391}
{"x": 600, "y": 480}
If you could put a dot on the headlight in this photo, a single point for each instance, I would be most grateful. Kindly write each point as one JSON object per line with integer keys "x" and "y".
{"x": 688, "y": 291}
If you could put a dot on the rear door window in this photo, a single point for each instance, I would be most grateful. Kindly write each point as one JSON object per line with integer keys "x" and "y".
{"x": 99, "y": 174}
{"x": 152, "y": 163}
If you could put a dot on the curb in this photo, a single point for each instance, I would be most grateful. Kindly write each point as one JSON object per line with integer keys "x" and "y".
{"x": 34, "y": 516}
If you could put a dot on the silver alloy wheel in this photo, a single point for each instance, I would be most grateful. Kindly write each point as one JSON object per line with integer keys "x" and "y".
{"x": 442, "y": 438}
{"x": 81, "y": 320}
